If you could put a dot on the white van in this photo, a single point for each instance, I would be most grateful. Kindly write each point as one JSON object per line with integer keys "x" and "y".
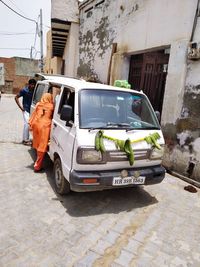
{"x": 120, "y": 122}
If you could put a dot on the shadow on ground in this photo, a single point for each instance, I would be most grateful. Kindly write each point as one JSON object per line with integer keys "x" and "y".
{"x": 100, "y": 202}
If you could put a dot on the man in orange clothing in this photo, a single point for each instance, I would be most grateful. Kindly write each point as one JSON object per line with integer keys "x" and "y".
{"x": 40, "y": 125}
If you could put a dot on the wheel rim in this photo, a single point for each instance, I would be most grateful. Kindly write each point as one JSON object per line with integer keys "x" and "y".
{"x": 58, "y": 176}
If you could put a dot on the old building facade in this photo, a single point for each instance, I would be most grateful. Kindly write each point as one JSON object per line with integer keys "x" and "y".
{"x": 63, "y": 39}
{"x": 155, "y": 46}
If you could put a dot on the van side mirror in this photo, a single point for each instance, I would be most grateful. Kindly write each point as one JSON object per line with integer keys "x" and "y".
{"x": 66, "y": 113}
{"x": 158, "y": 115}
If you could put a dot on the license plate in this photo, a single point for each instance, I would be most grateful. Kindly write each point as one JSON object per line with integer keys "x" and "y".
{"x": 128, "y": 180}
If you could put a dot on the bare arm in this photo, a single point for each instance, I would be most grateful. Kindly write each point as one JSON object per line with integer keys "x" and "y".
{"x": 18, "y": 103}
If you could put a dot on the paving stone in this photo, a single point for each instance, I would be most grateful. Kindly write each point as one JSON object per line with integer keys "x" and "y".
{"x": 124, "y": 259}
{"x": 111, "y": 237}
{"x": 101, "y": 246}
{"x": 115, "y": 265}
{"x": 133, "y": 246}
{"x": 42, "y": 229}
{"x": 87, "y": 260}
{"x": 140, "y": 236}
{"x": 8, "y": 257}
{"x": 81, "y": 248}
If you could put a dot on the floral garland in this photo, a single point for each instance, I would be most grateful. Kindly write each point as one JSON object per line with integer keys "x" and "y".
{"x": 125, "y": 145}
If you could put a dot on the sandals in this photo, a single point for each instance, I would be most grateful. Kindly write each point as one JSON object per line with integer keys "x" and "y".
{"x": 27, "y": 143}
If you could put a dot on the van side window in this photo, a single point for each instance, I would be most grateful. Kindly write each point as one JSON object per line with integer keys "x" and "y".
{"x": 39, "y": 91}
{"x": 56, "y": 93}
{"x": 67, "y": 98}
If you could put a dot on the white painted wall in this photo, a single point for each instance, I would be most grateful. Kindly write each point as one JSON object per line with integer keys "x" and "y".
{"x": 175, "y": 82}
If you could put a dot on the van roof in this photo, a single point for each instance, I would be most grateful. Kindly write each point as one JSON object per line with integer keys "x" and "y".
{"x": 78, "y": 84}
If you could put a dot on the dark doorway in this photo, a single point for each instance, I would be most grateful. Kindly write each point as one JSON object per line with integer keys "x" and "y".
{"x": 63, "y": 67}
{"x": 148, "y": 73}
{"x": 8, "y": 87}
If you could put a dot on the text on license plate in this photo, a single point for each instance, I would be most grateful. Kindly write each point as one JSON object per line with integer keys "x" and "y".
{"x": 128, "y": 180}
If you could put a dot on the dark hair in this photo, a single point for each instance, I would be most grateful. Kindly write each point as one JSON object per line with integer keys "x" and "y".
{"x": 32, "y": 81}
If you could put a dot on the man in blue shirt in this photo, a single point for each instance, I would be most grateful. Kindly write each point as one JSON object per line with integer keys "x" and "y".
{"x": 27, "y": 94}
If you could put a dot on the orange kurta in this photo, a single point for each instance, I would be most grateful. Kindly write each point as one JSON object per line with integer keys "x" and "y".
{"x": 40, "y": 123}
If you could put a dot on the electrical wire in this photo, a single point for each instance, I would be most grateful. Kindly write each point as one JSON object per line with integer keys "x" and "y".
{"x": 47, "y": 26}
{"x": 36, "y": 32}
{"x": 17, "y": 12}
{"x": 12, "y": 48}
{"x": 21, "y": 11}
{"x": 37, "y": 52}
{"x": 17, "y": 33}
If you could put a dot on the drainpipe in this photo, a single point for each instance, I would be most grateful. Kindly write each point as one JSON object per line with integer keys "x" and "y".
{"x": 195, "y": 21}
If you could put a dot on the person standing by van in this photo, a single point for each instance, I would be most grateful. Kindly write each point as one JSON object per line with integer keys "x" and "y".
{"x": 27, "y": 94}
{"x": 40, "y": 125}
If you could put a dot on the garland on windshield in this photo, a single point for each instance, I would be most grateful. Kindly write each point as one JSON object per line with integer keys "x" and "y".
{"x": 125, "y": 145}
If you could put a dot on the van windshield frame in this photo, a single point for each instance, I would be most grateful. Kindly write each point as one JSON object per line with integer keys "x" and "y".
{"x": 115, "y": 109}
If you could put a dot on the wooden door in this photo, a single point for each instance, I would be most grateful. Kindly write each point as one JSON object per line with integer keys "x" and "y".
{"x": 148, "y": 73}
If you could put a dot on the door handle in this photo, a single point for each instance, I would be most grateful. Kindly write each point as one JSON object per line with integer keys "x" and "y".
{"x": 54, "y": 125}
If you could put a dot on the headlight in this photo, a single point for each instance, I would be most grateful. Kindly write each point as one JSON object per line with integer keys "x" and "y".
{"x": 89, "y": 156}
{"x": 157, "y": 153}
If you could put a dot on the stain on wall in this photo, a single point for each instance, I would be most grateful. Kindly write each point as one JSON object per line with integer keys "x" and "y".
{"x": 97, "y": 34}
{"x": 104, "y": 36}
{"x": 183, "y": 137}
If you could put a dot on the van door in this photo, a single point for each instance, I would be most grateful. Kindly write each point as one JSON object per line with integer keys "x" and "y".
{"x": 40, "y": 89}
{"x": 62, "y": 136}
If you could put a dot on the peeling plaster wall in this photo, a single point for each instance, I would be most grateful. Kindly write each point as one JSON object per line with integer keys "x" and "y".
{"x": 175, "y": 82}
{"x": 96, "y": 38}
{"x": 183, "y": 136}
{"x": 135, "y": 26}
{"x": 65, "y": 10}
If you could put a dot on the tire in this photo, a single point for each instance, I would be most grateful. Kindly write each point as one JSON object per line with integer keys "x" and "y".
{"x": 62, "y": 186}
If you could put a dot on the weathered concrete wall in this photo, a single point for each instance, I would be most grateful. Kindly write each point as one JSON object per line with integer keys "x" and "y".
{"x": 52, "y": 65}
{"x": 96, "y": 37}
{"x": 65, "y": 10}
{"x": 56, "y": 63}
{"x": 47, "y": 65}
{"x": 71, "y": 51}
{"x": 134, "y": 25}
{"x": 183, "y": 135}
{"x": 26, "y": 66}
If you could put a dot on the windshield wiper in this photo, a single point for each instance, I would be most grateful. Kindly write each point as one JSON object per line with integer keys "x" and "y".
{"x": 142, "y": 128}
{"x": 115, "y": 124}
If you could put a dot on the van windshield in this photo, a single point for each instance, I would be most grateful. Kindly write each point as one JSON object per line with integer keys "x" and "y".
{"x": 106, "y": 109}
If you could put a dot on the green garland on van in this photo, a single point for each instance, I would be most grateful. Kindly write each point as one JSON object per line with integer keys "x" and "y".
{"x": 125, "y": 145}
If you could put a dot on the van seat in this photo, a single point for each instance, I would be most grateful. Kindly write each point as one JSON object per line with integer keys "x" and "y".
{"x": 90, "y": 113}
{"x": 110, "y": 114}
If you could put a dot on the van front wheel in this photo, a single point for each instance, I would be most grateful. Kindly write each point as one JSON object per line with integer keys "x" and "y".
{"x": 61, "y": 184}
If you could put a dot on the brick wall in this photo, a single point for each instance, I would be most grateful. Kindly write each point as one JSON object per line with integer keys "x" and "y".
{"x": 20, "y": 82}
{"x": 13, "y": 66}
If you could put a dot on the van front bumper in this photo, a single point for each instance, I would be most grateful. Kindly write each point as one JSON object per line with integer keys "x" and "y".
{"x": 152, "y": 174}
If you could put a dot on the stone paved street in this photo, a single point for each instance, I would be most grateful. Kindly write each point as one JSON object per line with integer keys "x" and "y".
{"x": 154, "y": 226}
